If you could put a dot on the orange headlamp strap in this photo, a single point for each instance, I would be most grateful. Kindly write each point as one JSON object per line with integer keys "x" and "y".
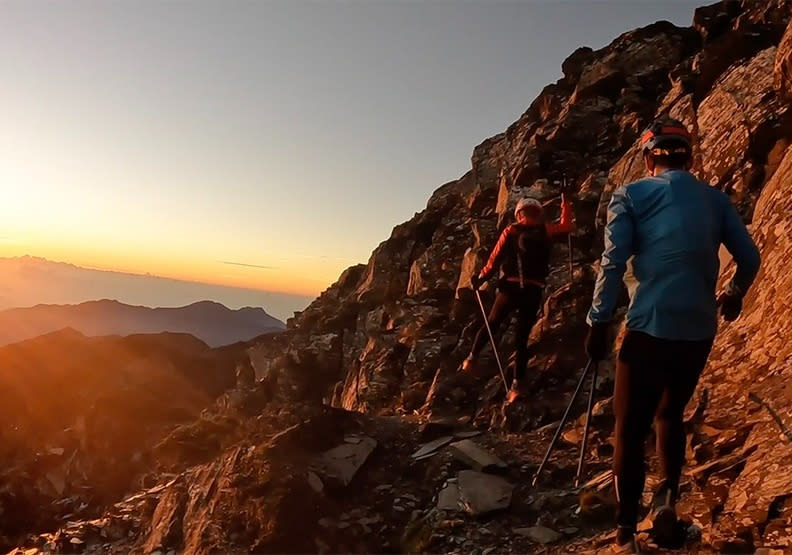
{"x": 651, "y": 133}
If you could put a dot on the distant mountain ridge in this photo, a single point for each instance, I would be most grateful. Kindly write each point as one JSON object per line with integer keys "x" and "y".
{"x": 28, "y": 280}
{"x": 211, "y": 322}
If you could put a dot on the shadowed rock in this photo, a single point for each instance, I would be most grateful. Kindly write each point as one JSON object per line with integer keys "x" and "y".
{"x": 481, "y": 493}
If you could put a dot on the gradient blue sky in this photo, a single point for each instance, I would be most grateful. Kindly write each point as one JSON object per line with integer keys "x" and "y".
{"x": 171, "y": 137}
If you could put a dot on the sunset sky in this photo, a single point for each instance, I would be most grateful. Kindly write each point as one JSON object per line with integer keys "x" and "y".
{"x": 260, "y": 144}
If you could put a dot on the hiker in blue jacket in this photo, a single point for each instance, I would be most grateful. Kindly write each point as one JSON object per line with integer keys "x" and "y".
{"x": 662, "y": 240}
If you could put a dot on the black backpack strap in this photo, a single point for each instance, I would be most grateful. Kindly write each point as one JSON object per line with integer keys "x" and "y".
{"x": 520, "y": 269}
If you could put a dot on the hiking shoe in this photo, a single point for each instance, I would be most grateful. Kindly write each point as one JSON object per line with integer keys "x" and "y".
{"x": 515, "y": 392}
{"x": 625, "y": 541}
{"x": 467, "y": 364}
{"x": 664, "y": 519}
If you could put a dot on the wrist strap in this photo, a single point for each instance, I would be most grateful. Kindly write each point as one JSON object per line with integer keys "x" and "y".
{"x": 733, "y": 290}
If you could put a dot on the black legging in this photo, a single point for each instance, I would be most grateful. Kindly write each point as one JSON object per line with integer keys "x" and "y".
{"x": 509, "y": 297}
{"x": 655, "y": 379}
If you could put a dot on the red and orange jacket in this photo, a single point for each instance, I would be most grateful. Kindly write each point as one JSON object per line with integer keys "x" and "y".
{"x": 522, "y": 253}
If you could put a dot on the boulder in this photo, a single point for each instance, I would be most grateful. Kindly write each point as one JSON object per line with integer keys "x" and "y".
{"x": 539, "y": 534}
{"x": 481, "y": 493}
{"x": 714, "y": 20}
{"x": 576, "y": 62}
{"x": 448, "y": 498}
{"x": 477, "y": 458}
{"x": 315, "y": 482}
{"x": 428, "y": 449}
{"x": 341, "y": 463}
{"x": 167, "y": 521}
{"x": 375, "y": 376}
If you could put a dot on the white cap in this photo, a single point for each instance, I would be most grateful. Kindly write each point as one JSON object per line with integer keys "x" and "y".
{"x": 526, "y": 202}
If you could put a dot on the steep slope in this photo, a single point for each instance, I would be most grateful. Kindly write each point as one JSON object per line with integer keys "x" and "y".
{"x": 395, "y": 329}
{"x": 210, "y": 322}
{"x": 386, "y": 339}
{"x": 389, "y": 335}
{"x": 750, "y": 365}
{"x": 81, "y": 416}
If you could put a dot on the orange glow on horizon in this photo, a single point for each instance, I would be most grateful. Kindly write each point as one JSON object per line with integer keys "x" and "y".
{"x": 298, "y": 277}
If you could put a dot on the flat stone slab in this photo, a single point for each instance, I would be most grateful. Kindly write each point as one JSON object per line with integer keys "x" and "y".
{"x": 467, "y": 434}
{"x": 342, "y": 463}
{"x": 315, "y": 482}
{"x": 448, "y": 498}
{"x": 481, "y": 493}
{"x": 477, "y": 458}
{"x": 539, "y": 534}
{"x": 428, "y": 449}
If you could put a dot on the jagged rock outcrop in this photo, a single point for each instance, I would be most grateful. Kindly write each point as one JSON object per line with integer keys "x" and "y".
{"x": 402, "y": 323}
{"x": 398, "y": 327}
{"x": 727, "y": 77}
{"x": 783, "y": 66}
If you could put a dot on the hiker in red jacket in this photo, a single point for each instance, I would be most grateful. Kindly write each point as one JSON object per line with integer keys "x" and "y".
{"x": 522, "y": 255}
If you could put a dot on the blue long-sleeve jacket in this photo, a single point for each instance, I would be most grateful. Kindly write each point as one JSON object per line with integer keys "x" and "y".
{"x": 662, "y": 240}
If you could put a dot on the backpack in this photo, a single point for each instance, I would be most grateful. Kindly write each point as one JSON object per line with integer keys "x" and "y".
{"x": 529, "y": 253}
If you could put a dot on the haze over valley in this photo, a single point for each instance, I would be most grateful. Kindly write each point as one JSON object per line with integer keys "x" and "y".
{"x": 29, "y": 281}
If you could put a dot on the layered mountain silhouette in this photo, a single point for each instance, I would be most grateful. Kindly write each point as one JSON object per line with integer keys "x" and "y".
{"x": 29, "y": 280}
{"x": 211, "y": 322}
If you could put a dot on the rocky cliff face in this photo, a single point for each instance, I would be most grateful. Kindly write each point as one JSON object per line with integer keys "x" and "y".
{"x": 386, "y": 331}
{"x": 386, "y": 339}
{"x": 398, "y": 327}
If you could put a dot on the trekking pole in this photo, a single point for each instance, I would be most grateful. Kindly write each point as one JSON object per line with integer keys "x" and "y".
{"x": 563, "y": 421}
{"x": 586, "y": 428}
{"x": 569, "y": 245}
{"x": 569, "y": 235}
{"x": 492, "y": 340}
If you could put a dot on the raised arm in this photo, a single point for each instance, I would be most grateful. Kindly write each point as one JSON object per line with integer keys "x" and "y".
{"x": 566, "y": 223}
{"x": 618, "y": 249}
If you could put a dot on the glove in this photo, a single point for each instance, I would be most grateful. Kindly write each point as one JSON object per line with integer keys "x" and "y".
{"x": 597, "y": 342}
{"x": 476, "y": 282}
{"x": 730, "y": 303}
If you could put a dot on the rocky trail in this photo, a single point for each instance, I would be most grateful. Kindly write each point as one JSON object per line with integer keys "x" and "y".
{"x": 332, "y": 481}
{"x": 360, "y": 435}
{"x": 350, "y": 483}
